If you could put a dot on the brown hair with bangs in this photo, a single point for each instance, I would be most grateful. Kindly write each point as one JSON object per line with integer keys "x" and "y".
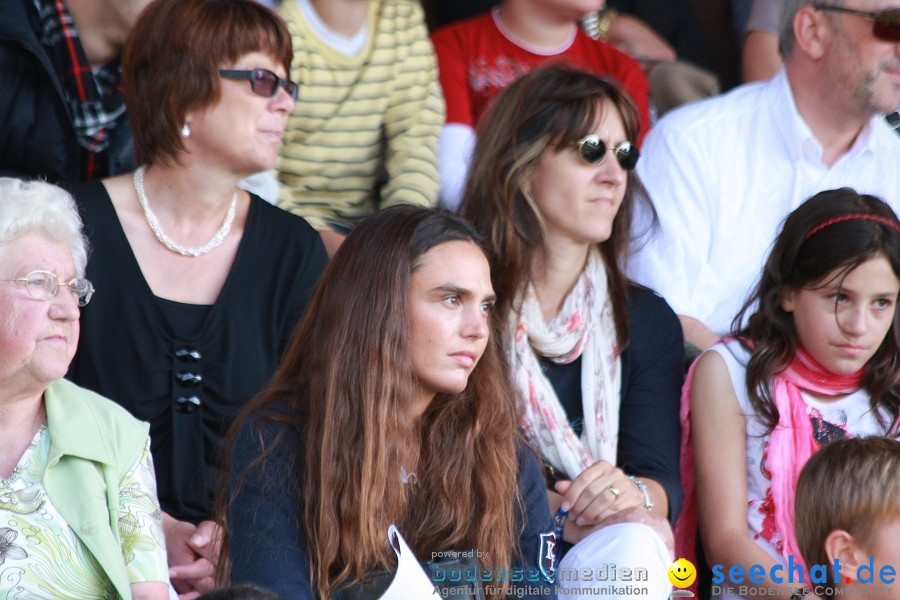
{"x": 345, "y": 384}
{"x": 802, "y": 261}
{"x": 554, "y": 105}
{"x": 171, "y": 62}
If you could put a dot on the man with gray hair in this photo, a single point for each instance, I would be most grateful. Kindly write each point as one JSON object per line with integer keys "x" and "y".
{"x": 724, "y": 172}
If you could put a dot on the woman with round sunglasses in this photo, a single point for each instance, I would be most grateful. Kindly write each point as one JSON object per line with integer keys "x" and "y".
{"x": 597, "y": 361}
{"x": 202, "y": 282}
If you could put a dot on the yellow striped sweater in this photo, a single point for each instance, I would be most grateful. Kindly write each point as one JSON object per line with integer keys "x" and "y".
{"x": 364, "y": 132}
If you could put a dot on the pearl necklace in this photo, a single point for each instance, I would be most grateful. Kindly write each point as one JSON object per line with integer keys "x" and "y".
{"x": 165, "y": 240}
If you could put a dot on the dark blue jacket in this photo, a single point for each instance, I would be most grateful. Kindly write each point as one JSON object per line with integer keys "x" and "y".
{"x": 267, "y": 543}
{"x": 37, "y": 137}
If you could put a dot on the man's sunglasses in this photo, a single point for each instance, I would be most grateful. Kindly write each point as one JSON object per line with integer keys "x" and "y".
{"x": 887, "y": 22}
{"x": 263, "y": 82}
{"x": 593, "y": 151}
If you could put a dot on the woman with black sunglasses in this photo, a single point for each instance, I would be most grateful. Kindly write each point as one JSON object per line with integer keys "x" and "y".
{"x": 597, "y": 361}
{"x": 199, "y": 283}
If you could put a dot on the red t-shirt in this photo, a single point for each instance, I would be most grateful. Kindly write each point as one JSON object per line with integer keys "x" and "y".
{"x": 477, "y": 59}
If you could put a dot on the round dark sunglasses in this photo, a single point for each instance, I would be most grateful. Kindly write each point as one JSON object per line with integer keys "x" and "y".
{"x": 263, "y": 82}
{"x": 593, "y": 151}
{"x": 886, "y": 26}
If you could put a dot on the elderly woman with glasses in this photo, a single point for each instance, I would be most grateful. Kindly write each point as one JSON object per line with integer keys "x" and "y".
{"x": 203, "y": 282}
{"x": 79, "y": 516}
{"x": 597, "y": 361}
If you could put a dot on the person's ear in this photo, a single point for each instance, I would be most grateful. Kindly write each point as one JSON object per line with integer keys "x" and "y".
{"x": 787, "y": 300}
{"x": 842, "y": 546}
{"x": 813, "y": 30}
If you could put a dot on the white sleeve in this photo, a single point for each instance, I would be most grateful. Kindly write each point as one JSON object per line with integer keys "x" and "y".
{"x": 454, "y": 154}
{"x": 673, "y": 260}
{"x": 264, "y": 184}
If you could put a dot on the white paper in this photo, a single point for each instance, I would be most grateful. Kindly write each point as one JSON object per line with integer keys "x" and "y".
{"x": 411, "y": 581}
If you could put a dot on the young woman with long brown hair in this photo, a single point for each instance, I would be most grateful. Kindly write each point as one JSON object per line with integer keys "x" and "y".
{"x": 597, "y": 361}
{"x": 390, "y": 406}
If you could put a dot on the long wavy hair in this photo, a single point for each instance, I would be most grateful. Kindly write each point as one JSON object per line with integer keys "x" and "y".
{"x": 797, "y": 262}
{"x": 347, "y": 385}
{"x": 553, "y": 105}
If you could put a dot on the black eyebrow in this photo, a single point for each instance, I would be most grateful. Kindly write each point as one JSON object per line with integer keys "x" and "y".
{"x": 843, "y": 289}
{"x": 460, "y": 291}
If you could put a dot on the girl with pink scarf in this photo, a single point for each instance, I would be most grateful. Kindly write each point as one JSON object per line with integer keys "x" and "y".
{"x": 815, "y": 357}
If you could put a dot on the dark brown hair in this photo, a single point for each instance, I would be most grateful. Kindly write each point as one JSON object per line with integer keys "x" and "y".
{"x": 171, "y": 62}
{"x": 346, "y": 381}
{"x": 796, "y": 263}
{"x": 553, "y": 105}
{"x": 851, "y": 485}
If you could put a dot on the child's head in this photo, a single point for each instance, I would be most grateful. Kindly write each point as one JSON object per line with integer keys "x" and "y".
{"x": 823, "y": 240}
{"x": 848, "y": 494}
{"x": 830, "y": 284}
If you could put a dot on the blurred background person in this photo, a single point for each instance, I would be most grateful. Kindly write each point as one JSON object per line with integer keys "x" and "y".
{"x": 760, "y": 58}
{"x": 480, "y": 56}
{"x": 664, "y": 36}
{"x": 78, "y": 506}
{"x": 364, "y": 132}
{"x": 62, "y": 110}
{"x": 203, "y": 283}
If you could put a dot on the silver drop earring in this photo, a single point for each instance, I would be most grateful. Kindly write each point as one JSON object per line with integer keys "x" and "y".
{"x": 185, "y": 130}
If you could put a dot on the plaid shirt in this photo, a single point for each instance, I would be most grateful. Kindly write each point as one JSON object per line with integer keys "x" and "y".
{"x": 95, "y": 98}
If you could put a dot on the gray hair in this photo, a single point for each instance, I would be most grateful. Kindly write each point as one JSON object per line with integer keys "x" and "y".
{"x": 39, "y": 207}
{"x": 789, "y": 8}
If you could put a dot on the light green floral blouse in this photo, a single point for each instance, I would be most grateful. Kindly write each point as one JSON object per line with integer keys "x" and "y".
{"x": 40, "y": 555}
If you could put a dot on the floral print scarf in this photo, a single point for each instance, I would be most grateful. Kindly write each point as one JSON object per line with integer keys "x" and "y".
{"x": 584, "y": 327}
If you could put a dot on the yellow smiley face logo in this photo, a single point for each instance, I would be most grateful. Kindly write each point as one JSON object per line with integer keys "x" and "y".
{"x": 682, "y": 573}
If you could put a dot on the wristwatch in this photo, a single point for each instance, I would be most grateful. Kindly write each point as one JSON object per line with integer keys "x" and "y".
{"x": 597, "y": 24}
{"x": 648, "y": 501}
{"x": 606, "y": 17}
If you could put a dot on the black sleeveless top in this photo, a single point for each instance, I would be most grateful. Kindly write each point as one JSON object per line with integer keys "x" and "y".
{"x": 188, "y": 374}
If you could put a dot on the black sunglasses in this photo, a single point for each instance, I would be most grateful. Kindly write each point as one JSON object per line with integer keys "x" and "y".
{"x": 263, "y": 82}
{"x": 887, "y": 22}
{"x": 593, "y": 151}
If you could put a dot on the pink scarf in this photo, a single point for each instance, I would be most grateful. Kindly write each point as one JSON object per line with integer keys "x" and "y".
{"x": 791, "y": 444}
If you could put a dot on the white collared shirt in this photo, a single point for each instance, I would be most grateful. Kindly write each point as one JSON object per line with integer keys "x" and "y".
{"x": 723, "y": 174}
